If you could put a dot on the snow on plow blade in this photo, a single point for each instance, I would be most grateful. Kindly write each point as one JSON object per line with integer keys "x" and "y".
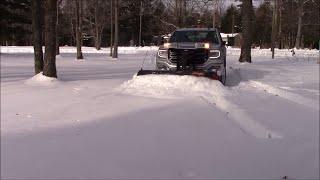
{"x": 181, "y": 73}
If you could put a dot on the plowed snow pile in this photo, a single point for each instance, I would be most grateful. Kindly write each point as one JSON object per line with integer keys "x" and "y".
{"x": 171, "y": 86}
{"x": 41, "y": 80}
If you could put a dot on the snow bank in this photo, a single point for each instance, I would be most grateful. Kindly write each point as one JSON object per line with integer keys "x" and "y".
{"x": 211, "y": 91}
{"x": 134, "y": 50}
{"x": 42, "y": 80}
{"x": 171, "y": 86}
{"x": 278, "y": 52}
{"x": 71, "y": 49}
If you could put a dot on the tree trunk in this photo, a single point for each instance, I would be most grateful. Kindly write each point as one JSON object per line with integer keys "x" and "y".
{"x": 140, "y": 24}
{"x": 214, "y": 15}
{"x": 247, "y": 30}
{"x": 185, "y": 13}
{"x": 79, "y": 28}
{"x": 116, "y": 29}
{"x": 232, "y": 28}
{"x": 49, "y": 68}
{"x": 178, "y": 13}
{"x": 111, "y": 27}
{"x": 37, "y": 35}
{"x": 280, "y": 38}
{"x": 300, "y": 14}
{"x": 275, "y": 26}
{"x": 97, "y": 40}
{"x": 57, "y": 31}
{"x": 73, "y": 32}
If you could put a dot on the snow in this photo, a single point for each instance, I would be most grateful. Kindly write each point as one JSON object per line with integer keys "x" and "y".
{"x": 68, "y": 49}
{"x": 99, "y": 120}
{"x": 213, "y": 92}
{"x": 304, "y": 54}
{"x": 41, "y": 80}
{"x": 225, "y": 35}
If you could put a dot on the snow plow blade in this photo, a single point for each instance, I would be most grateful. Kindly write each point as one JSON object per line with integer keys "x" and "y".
{"x": 146, "y": 72}
{"x": 181, "y": 73}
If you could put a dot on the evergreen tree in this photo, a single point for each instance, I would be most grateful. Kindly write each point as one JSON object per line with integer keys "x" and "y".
{"x": 15, "y": 22}
{"x": 263, "y": 25}
{"x": 231, "y": 20}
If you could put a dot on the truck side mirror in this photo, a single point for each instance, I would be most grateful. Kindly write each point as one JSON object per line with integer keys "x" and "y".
{"x": 223, "y": 43}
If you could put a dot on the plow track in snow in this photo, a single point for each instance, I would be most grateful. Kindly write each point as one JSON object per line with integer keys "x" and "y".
{"x": 212, "y": 92}
{"x": 238, "y": 79}
{"x": 296, "y": 98}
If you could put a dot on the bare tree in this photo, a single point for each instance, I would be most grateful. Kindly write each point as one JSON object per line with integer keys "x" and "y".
{"x": 301, "y": 4}
{"x": 49, "y": 68}
{"x": 37, "y": 35}
{"x": 96, "y": 17}
{"x": 57, "y": 30}
{"x": 116, "y": 29}
{"x": 280, "y": 38}
{"x": 217, "y": 6}
{"x": 247, "y": 15}
{"x": 79, "y": 28}
{"x": 179, "y": 12}
{"x": 111, "y": 26}
{"x": 275, "y": 26}
{"x": 97, "y": 26}
{"x": 140, "y": 23}
{"x": 214, "y": 11}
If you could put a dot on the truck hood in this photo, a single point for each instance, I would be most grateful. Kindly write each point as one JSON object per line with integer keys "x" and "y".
{"x": 188, "y": 45}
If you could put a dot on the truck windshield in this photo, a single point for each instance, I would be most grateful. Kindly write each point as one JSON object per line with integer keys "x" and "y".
{"x": 195, "y": 36}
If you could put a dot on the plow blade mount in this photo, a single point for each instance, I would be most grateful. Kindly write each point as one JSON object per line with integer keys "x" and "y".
{"x": 146, "y": 72}
{"x": 181, "y": 73}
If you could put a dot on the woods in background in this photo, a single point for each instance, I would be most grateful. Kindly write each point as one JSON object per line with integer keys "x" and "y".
{"x": 297, "y": 21}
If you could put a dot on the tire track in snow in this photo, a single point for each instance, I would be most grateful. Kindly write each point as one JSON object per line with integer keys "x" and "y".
{"x": 242, "y": 118}
{"x": 212, "y": 92}
{"x": 293, "y": 97}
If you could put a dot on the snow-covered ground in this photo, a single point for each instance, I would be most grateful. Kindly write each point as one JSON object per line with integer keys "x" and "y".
{"x": 100, "y": 121}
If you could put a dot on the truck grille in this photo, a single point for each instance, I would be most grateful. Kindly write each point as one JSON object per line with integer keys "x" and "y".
{"x": 193, "y": 56}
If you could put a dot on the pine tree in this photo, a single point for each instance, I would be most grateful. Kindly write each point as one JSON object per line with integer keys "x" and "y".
{"x": 15, "y": 22}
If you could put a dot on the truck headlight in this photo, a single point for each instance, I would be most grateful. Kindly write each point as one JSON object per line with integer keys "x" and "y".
{"x": 214, "y": 54}
{"x": 167, "y": 45}
{"x": 163, "y": 53}
{"x": 206, "y": 45}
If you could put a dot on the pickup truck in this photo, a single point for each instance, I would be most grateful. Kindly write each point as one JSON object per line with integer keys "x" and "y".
{"x": 194, "y": 49}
